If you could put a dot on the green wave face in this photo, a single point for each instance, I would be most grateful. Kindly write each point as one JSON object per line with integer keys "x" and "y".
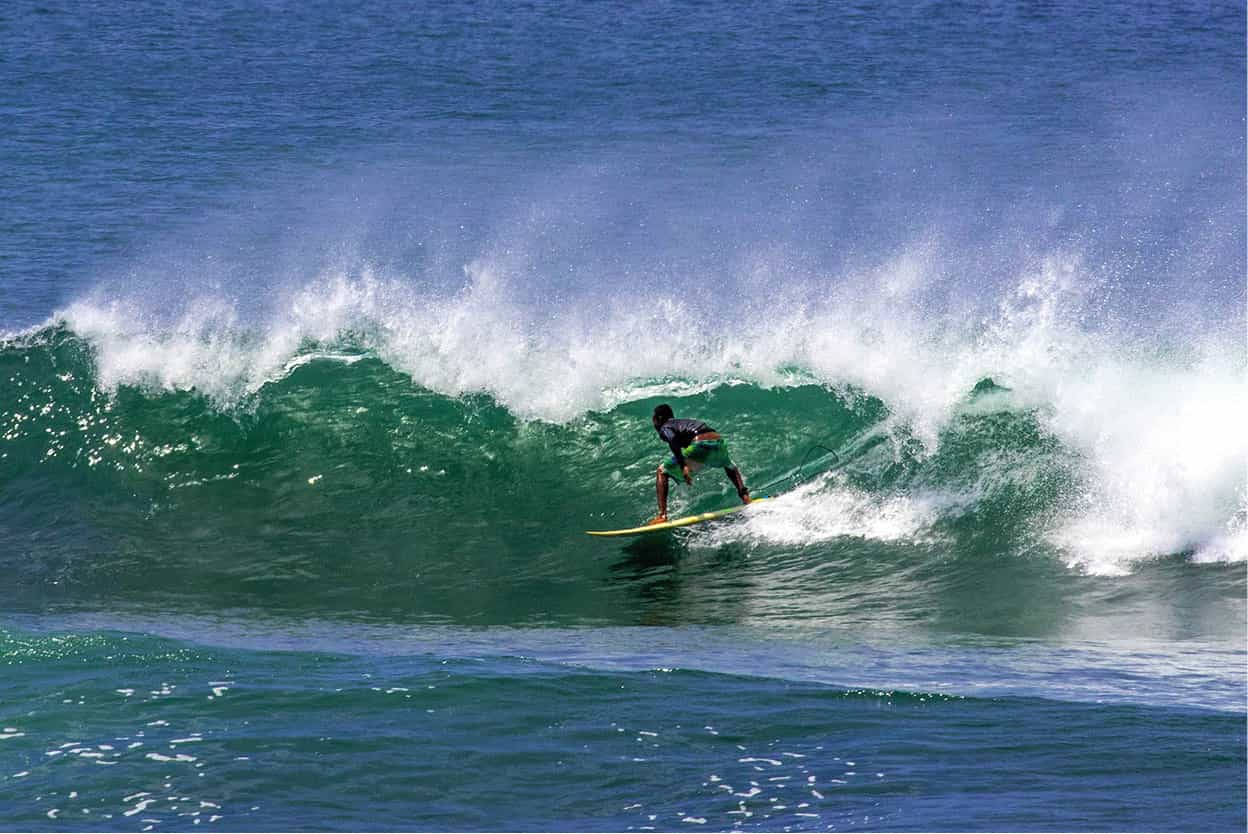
{"x": 342, "y": 489}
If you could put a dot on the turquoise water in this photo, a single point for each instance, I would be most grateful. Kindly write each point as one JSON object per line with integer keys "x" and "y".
{"x": 325, "y": 334}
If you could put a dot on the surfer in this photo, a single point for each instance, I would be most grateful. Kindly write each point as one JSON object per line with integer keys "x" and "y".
{"x": 694, "y": 445}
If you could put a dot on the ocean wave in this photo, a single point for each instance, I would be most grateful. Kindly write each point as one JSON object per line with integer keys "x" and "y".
{"x": 1109, "y": 445}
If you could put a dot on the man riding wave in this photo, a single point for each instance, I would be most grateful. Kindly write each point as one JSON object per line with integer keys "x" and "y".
{"x": 694, "y": 445}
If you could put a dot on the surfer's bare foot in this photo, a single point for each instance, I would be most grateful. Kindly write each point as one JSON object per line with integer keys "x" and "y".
{"x": 745, "y": 497}
{"x": 658, "y": 519}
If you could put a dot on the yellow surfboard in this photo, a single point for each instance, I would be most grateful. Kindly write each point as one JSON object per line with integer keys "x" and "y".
{"x": 678, "y": 522}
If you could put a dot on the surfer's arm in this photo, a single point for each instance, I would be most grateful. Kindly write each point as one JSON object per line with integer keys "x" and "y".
{"x": 669, "y": 437}
{"x": 679, "y": 454}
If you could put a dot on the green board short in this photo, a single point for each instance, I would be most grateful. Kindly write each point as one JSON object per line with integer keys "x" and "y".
{"x": 713, "y": 453}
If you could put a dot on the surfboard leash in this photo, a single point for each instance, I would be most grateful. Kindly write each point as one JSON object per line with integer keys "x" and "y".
{"x": 799, "y": 477}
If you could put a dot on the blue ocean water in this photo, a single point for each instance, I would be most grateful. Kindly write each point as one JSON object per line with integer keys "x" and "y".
{"x": 326, "y": 330}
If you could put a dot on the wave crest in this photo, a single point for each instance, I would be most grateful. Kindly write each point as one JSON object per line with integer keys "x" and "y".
{"x": 1151, "y": 453}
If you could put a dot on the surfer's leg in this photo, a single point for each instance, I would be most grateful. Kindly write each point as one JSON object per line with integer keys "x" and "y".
{"x": 716, "y": 454}
{"x": 734, "y": 475}
{"x": 660, "y": 488}
{"x": 663, "y": 481}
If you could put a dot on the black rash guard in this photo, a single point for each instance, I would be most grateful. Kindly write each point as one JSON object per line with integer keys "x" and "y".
{"x": 680, "y": 433}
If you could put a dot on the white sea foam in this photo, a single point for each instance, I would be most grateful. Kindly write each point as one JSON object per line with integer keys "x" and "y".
{"x": 826, "y": 509}
{"x": 1167, "y": 453}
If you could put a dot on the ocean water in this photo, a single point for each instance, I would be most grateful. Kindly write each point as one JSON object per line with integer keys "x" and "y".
{"x": 327, "y": 329}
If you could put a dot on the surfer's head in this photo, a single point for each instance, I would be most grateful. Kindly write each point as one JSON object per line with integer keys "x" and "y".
{"x": 662, "y": 413}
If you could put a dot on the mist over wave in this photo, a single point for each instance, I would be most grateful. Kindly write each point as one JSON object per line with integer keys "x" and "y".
{"x": 584, "y": 293}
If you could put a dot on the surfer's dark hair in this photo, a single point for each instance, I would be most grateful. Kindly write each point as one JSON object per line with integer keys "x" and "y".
{"x": 664, "y": 411}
